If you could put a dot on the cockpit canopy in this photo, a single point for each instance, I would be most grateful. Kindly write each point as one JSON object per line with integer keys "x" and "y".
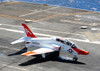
{"x": 69, "y": 43}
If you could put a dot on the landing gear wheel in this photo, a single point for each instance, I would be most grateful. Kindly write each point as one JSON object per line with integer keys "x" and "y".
{"x": 39, "y": 56}
{"x": 54, "y": 55}
{"x": 75, "y": 59}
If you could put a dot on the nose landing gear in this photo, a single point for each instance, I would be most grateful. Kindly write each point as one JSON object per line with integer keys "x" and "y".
{"x": 75, "y": 59}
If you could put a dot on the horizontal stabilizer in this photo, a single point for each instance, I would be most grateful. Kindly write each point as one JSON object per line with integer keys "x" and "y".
{"x": 18, "y": 41}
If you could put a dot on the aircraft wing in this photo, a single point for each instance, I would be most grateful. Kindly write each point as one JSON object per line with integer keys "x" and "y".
{"x": 45, "y": 49}
{"x": 38, "y": 51}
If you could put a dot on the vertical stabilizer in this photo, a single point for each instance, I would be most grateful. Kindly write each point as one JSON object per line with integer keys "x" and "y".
{"x": 27, "y": 31}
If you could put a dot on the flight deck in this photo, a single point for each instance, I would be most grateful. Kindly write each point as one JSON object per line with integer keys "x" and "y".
{"x": 79, "y": 26}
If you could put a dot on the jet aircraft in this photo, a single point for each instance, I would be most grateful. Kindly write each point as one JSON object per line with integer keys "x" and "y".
{"x": 48, "y": 45}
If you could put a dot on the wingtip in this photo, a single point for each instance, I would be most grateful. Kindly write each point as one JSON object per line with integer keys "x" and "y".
{"x": 25, "y": 55}
{"x": 12, "y": 43}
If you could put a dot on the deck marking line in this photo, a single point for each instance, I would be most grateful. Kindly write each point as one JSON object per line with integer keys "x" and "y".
{"x": 14, "y": 2}
{"x": 60, "y": 15}
{"x": 46, "y": 18}
{"x": 7, "y": 16}
{"x": 90, "y": 36}
{"x": 46, "y": 30}
{"x": 36, "y": 11}
{"x": 95, "y": 42}
{"x": 14, "y": 67}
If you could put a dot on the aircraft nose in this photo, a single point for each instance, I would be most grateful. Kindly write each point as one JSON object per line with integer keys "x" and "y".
{"x": 86, "y": 53}
{"x": 82, "y": 52}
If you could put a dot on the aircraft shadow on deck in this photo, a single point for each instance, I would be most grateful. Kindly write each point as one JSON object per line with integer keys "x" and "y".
{"x": 59, "y": 59}
{"x": 19, "y": 52}
{"x": 38, "y": 60}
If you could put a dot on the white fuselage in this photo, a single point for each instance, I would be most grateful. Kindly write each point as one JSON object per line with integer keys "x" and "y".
{"x": 41, "y": 42}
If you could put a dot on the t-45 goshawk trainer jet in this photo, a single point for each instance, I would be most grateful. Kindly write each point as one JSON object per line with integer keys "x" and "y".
{"x": 48, "y": 45}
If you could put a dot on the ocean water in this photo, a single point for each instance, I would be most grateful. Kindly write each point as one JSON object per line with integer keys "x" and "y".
{"x": 93, "y": 5}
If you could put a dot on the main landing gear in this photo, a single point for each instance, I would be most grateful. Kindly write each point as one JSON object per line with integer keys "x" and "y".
{"x": 51, "y": 55}
{"x": 75, "y": 59}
